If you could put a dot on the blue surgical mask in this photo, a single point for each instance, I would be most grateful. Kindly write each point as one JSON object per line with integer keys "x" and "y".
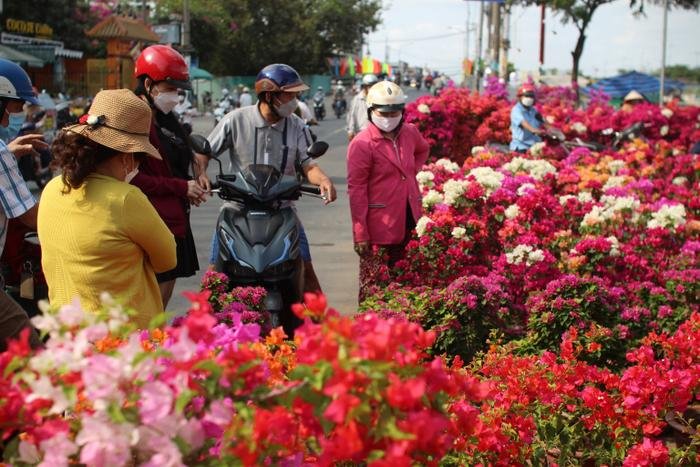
{"x": 16, "y": 120}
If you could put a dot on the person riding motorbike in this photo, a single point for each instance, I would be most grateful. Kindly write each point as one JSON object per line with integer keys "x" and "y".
{"x": 270, "y": 133}
{"x": 339, "y": 98}
{"x": 357, "y": 116}
{"x": 246, "y": 99}
{"x": 177, "y": 181}
{"x": 526, "y": 123}
{"x": 319, "y": 103}
{"x": 16, "y": 201}
{"x": 184, "y": 111}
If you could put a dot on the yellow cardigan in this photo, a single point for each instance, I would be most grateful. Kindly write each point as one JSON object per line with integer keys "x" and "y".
{"x": 103, "y": 237}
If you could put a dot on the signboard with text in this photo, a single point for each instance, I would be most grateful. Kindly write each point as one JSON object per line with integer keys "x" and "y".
{"x": 28, "y": 28}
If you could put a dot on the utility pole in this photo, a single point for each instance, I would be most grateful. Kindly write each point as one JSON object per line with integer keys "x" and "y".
{"x": 505, "y": 43}
{"x": 663, "y": 55}
{"x": 185, "y": 40}
{"x": 542, "y": 13}
{"x": 496, "y": 44}
{"x": 477, "y": 59}
{"x": 386, "y": 49}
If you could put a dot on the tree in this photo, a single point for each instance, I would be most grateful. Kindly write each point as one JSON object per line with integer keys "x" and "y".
{"x": 580, "y": 13}
{"x": 241, "y": 36}
{"x": 69, "y": 19}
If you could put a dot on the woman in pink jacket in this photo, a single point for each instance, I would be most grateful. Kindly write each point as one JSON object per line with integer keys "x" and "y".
{"x": 385, "y": 201}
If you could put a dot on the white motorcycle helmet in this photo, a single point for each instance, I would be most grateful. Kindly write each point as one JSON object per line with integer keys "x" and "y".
{"x": 369, "y": 80}
{"x": 339, "y": 83}
{"x": 385, "y": 96}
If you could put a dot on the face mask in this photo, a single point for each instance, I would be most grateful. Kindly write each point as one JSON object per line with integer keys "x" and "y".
{"x": 14, "y": 125}
{"x": 285, "y": 110}
{"x": 130, "y": 175}
{"x": 166, "y": 101}
{"x": 528, "y": 101}
{"x": 386, "y": 124}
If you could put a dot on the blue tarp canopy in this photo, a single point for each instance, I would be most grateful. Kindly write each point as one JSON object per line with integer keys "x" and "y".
{"x": 617, "y": 87}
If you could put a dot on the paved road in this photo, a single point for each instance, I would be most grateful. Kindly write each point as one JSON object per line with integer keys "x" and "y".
{"x": 328, "y": 227}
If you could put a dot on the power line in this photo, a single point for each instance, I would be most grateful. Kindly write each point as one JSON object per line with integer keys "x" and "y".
{"x": 426, "y": 38}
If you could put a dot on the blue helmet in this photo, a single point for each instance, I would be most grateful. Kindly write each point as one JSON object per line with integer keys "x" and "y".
{"x": 279, "y": 78}
{"x": 15, "y": 83}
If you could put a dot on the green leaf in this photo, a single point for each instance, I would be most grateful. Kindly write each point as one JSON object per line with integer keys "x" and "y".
{"x": 183, "y": 399}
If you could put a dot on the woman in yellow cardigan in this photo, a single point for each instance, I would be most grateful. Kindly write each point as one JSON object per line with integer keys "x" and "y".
{"x": 98, "y": 233}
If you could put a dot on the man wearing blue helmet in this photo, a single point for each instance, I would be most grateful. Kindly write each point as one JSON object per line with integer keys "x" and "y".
{"x": 270, "y": 133}
{"x": 16, "y": 201}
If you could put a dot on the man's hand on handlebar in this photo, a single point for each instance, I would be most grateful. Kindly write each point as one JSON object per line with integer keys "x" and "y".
{"x": 327, "y": 190}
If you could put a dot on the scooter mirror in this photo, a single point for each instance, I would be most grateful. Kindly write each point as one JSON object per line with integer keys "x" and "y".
{"x": 200, "y": 144}
{"x": 317, "y": 149}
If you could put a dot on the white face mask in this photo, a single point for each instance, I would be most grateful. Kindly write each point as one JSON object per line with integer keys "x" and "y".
{"x": 166, "y": 101}
{"x": 528, "y": 101}
{"x": 287, "y": 109}
{"x": 130, "y": 175}
{"x": 386, "y": 124}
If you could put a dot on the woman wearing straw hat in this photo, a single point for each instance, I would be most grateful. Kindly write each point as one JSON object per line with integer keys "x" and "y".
{"x": 161, "y": 72}
{"x": 99, "y": 233}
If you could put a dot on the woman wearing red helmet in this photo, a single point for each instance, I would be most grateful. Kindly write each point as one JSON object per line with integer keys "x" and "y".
{"x": 170, "y": 183}
{"x": 525, "y": 121}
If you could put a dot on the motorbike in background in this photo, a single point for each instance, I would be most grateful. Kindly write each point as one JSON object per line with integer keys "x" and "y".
{"x": 319, "y": 107}
{"x": 258, "y": 237}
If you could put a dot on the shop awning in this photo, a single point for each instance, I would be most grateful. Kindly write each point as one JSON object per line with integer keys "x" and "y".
{"x": 20, "y": 57}
{"x": 48, "y": 53}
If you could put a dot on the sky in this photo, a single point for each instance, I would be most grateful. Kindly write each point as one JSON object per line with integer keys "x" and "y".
{"x": 616, "y": 39}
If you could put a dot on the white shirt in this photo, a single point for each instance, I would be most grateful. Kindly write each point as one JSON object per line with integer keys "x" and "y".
{"x": 245, "y": 99}
{"x": 357, "y": 116}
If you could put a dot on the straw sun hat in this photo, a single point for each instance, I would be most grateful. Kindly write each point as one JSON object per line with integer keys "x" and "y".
{"x": 119, "y": 120}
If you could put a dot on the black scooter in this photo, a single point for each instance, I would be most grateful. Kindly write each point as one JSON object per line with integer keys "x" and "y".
{"x": 259, "y": 241}
{"x": 319, "y": 108}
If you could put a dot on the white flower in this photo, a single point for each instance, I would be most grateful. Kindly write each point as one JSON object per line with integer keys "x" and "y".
{"x": 579, "y": 128}
{"x": 423, "y": 108}
{"x": 663, "y": 131}
{"x": 614, "y": 245}
{"x": 666, "y": 112}
{"x": 614, "y": 166}
{"x": 669, "y": 216}
{"x": 512, "y": 211}
{"x": 526, "y": 254}
{"x": 536, "y": 149}
{"x": 565, "y": 198}
{"x": 488, "y": 178}
{"x": 425, "y": 178}
{"x": 620, "y": 203}
{"x": 459, "y": 232}
{"x": 679, "y": 181}
{"x": 596, "y": 215}
{"x": 613, "y": 182}
{"x": 431, "y": 198}
{"x": 422, "y": 224}
{"x": 92, "y": 120}
{"x": 536, "y": 168}
{"x": 453, "y": 189}
{"x": 448, "y": 165}
{"x": 477, "y": 149}
{"x": 585, "y": 197}
{"x": 550, "y": 119}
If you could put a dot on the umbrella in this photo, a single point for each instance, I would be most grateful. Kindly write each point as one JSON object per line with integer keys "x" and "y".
{"x": 200, "y": 73}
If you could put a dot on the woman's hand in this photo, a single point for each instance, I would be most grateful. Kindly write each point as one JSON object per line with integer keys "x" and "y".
{"x": 362, "y": 248}
{"x": 195, "y": 193}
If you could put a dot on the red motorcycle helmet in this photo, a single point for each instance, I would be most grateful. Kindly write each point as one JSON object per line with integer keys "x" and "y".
{"x": 526, "y": 89}
{"x": 163, "y": 63}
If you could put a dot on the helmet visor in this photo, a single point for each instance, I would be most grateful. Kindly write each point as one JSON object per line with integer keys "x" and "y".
{"x": 388, "y": 107}
{"x": 295, "y": 87}
{"x": 179, "y": 83}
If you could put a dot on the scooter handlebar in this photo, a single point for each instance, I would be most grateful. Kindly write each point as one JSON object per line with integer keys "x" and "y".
{"x": 313, "y": 190}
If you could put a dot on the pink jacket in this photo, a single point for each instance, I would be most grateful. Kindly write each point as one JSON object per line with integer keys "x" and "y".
{"x": 382, "y": 181}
